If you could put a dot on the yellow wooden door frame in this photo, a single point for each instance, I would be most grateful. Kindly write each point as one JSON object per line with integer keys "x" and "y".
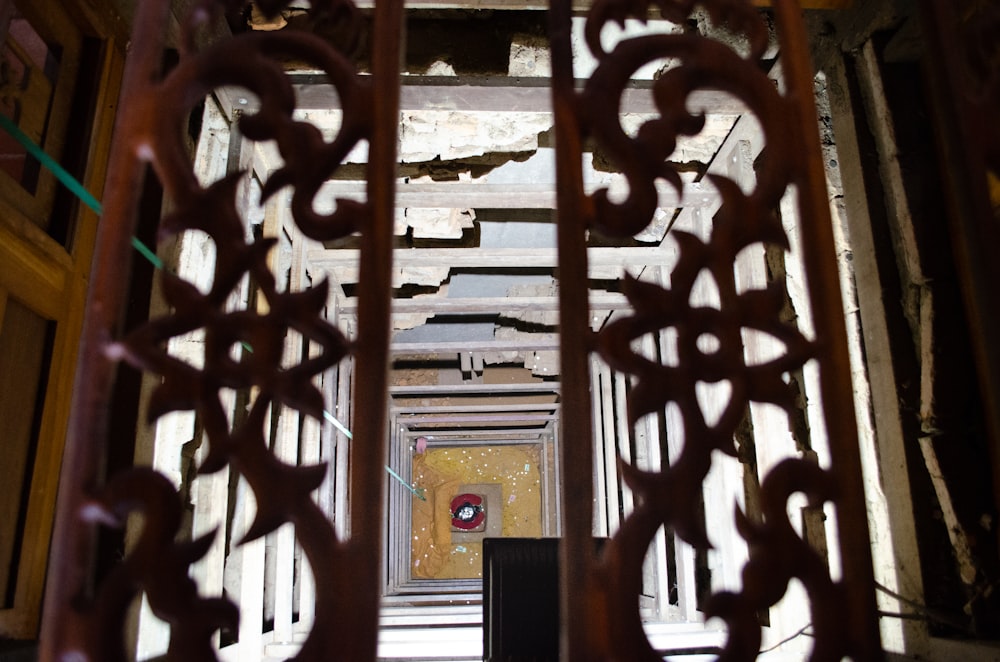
{"x": 51, "y": 281}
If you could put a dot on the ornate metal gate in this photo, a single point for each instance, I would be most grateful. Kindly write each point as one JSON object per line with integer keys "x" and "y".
{"x": 600, "y": 595}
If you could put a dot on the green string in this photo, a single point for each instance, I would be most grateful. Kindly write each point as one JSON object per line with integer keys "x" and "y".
{"x": 77, "y": 188}
{"x": 145, "y": 251}
{"x": 417, "y": 491}
{"x": 69, "y": 181}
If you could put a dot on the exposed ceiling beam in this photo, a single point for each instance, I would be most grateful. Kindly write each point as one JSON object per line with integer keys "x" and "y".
{"x": 530, "y": 343}
{"x": 448, "y": 419}
{"x": 491, "y": 407}
{"x": 494, "y": 94}
{"x": 488, "y": 305}
{"x": 475, "y": 195}
{"x": 511, "y": 258}
{"x": 475, "y": 389}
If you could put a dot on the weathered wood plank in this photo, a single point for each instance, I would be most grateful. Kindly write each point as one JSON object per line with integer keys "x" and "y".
{"x": 500, "y": 94}
{"x": 882, "y": 440}
{"x": 601, "y": 526}
{"x": 474, "y": 418}
{"x": 603, "y": 301}
{"x": 549, "y": 342}
{"x": 320, "y": 258}
{"x": 342, "y": 413}
{"x": 490, "y": 407}
{"x": 475, "y": 195}
{"x": 609, "y": 450}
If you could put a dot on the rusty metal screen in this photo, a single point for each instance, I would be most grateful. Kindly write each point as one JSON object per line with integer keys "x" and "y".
{"x": 85, "y": 620}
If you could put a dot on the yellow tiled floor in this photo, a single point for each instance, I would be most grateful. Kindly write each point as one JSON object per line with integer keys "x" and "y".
{"x": 439, "y": 472}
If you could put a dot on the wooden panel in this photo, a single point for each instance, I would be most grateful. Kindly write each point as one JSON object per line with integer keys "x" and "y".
{"x": 22, "y": 355}
{"x": 29, "y": 274}
{"x": 53, "y": 283}
{"x": 55, "y": 27}
{"x": 23, "y": 620}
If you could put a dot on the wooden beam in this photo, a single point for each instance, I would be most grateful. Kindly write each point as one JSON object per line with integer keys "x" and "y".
{"x": 473, "y": 389}
{"x": 492, "y": 94}
{"x": 474, "y": 195}
{"x": 529, "y": 344}
{"x": 502, "y": 437}
{"x": 475, "y": 418}
{"x": 489, "y": 305}
{"x": 511, "y": 258}
{"x": 455, "y": 409}
{"x": 882, "y": 440}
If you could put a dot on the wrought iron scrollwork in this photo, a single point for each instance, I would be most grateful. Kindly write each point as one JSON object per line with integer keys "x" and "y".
{"x": 156, "y": 565}
{"x": 243, "y": 349}
{"x": 664, "y": 496}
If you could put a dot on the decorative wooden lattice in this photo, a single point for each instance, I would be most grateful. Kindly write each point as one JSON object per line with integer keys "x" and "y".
{"x": 601, "y": 619}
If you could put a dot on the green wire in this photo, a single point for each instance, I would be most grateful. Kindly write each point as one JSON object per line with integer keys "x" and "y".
{"x": 85, "y": 196}
{"x": 145, "y": 251}
{"x": 69, "y": 181}
{"x": 78, "y": 189}
{"x": 417, "y": 491}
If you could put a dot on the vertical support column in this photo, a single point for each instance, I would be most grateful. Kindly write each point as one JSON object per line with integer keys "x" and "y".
{"x": 286, "y": 448}
{"x": 86, "y": 442}
{"x": 211, "y": 499}
{"x": 251, "y": 559}
{"x": 372, "y": 348}
{"x": 601, "y": 526}
{"x": 835, "y": 376}
{"x": 624, "y": 433}
{"x": 328, "y": 440}
{"x": 311, "y": 450}
{"x": 648, "y": 457}
{"x": 607, "y": 448}
{"x": 343, "y": 449}
{"x": 684, "y": 554}
{"x": 577, "y": 555}
{"x": 882, "y": 440}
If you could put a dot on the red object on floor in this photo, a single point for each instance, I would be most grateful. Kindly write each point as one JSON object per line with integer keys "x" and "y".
{"x": 467, "y": 511}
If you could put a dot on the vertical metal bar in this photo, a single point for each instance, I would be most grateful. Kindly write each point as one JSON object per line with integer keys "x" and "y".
{"x": 374, "y": 293}
{"x": 86, "y": 441}
{"x": 835, "y": 377}
{"x": 577, "y": 551}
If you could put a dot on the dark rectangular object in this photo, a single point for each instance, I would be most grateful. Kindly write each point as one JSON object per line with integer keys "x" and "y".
{"x": 521, "y": 599}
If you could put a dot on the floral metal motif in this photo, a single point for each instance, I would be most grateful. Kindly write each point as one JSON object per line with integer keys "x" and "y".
{"x": 158, "y": 566}
{"x": 664, "y": 497}
{"x": 244, "y": 349}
